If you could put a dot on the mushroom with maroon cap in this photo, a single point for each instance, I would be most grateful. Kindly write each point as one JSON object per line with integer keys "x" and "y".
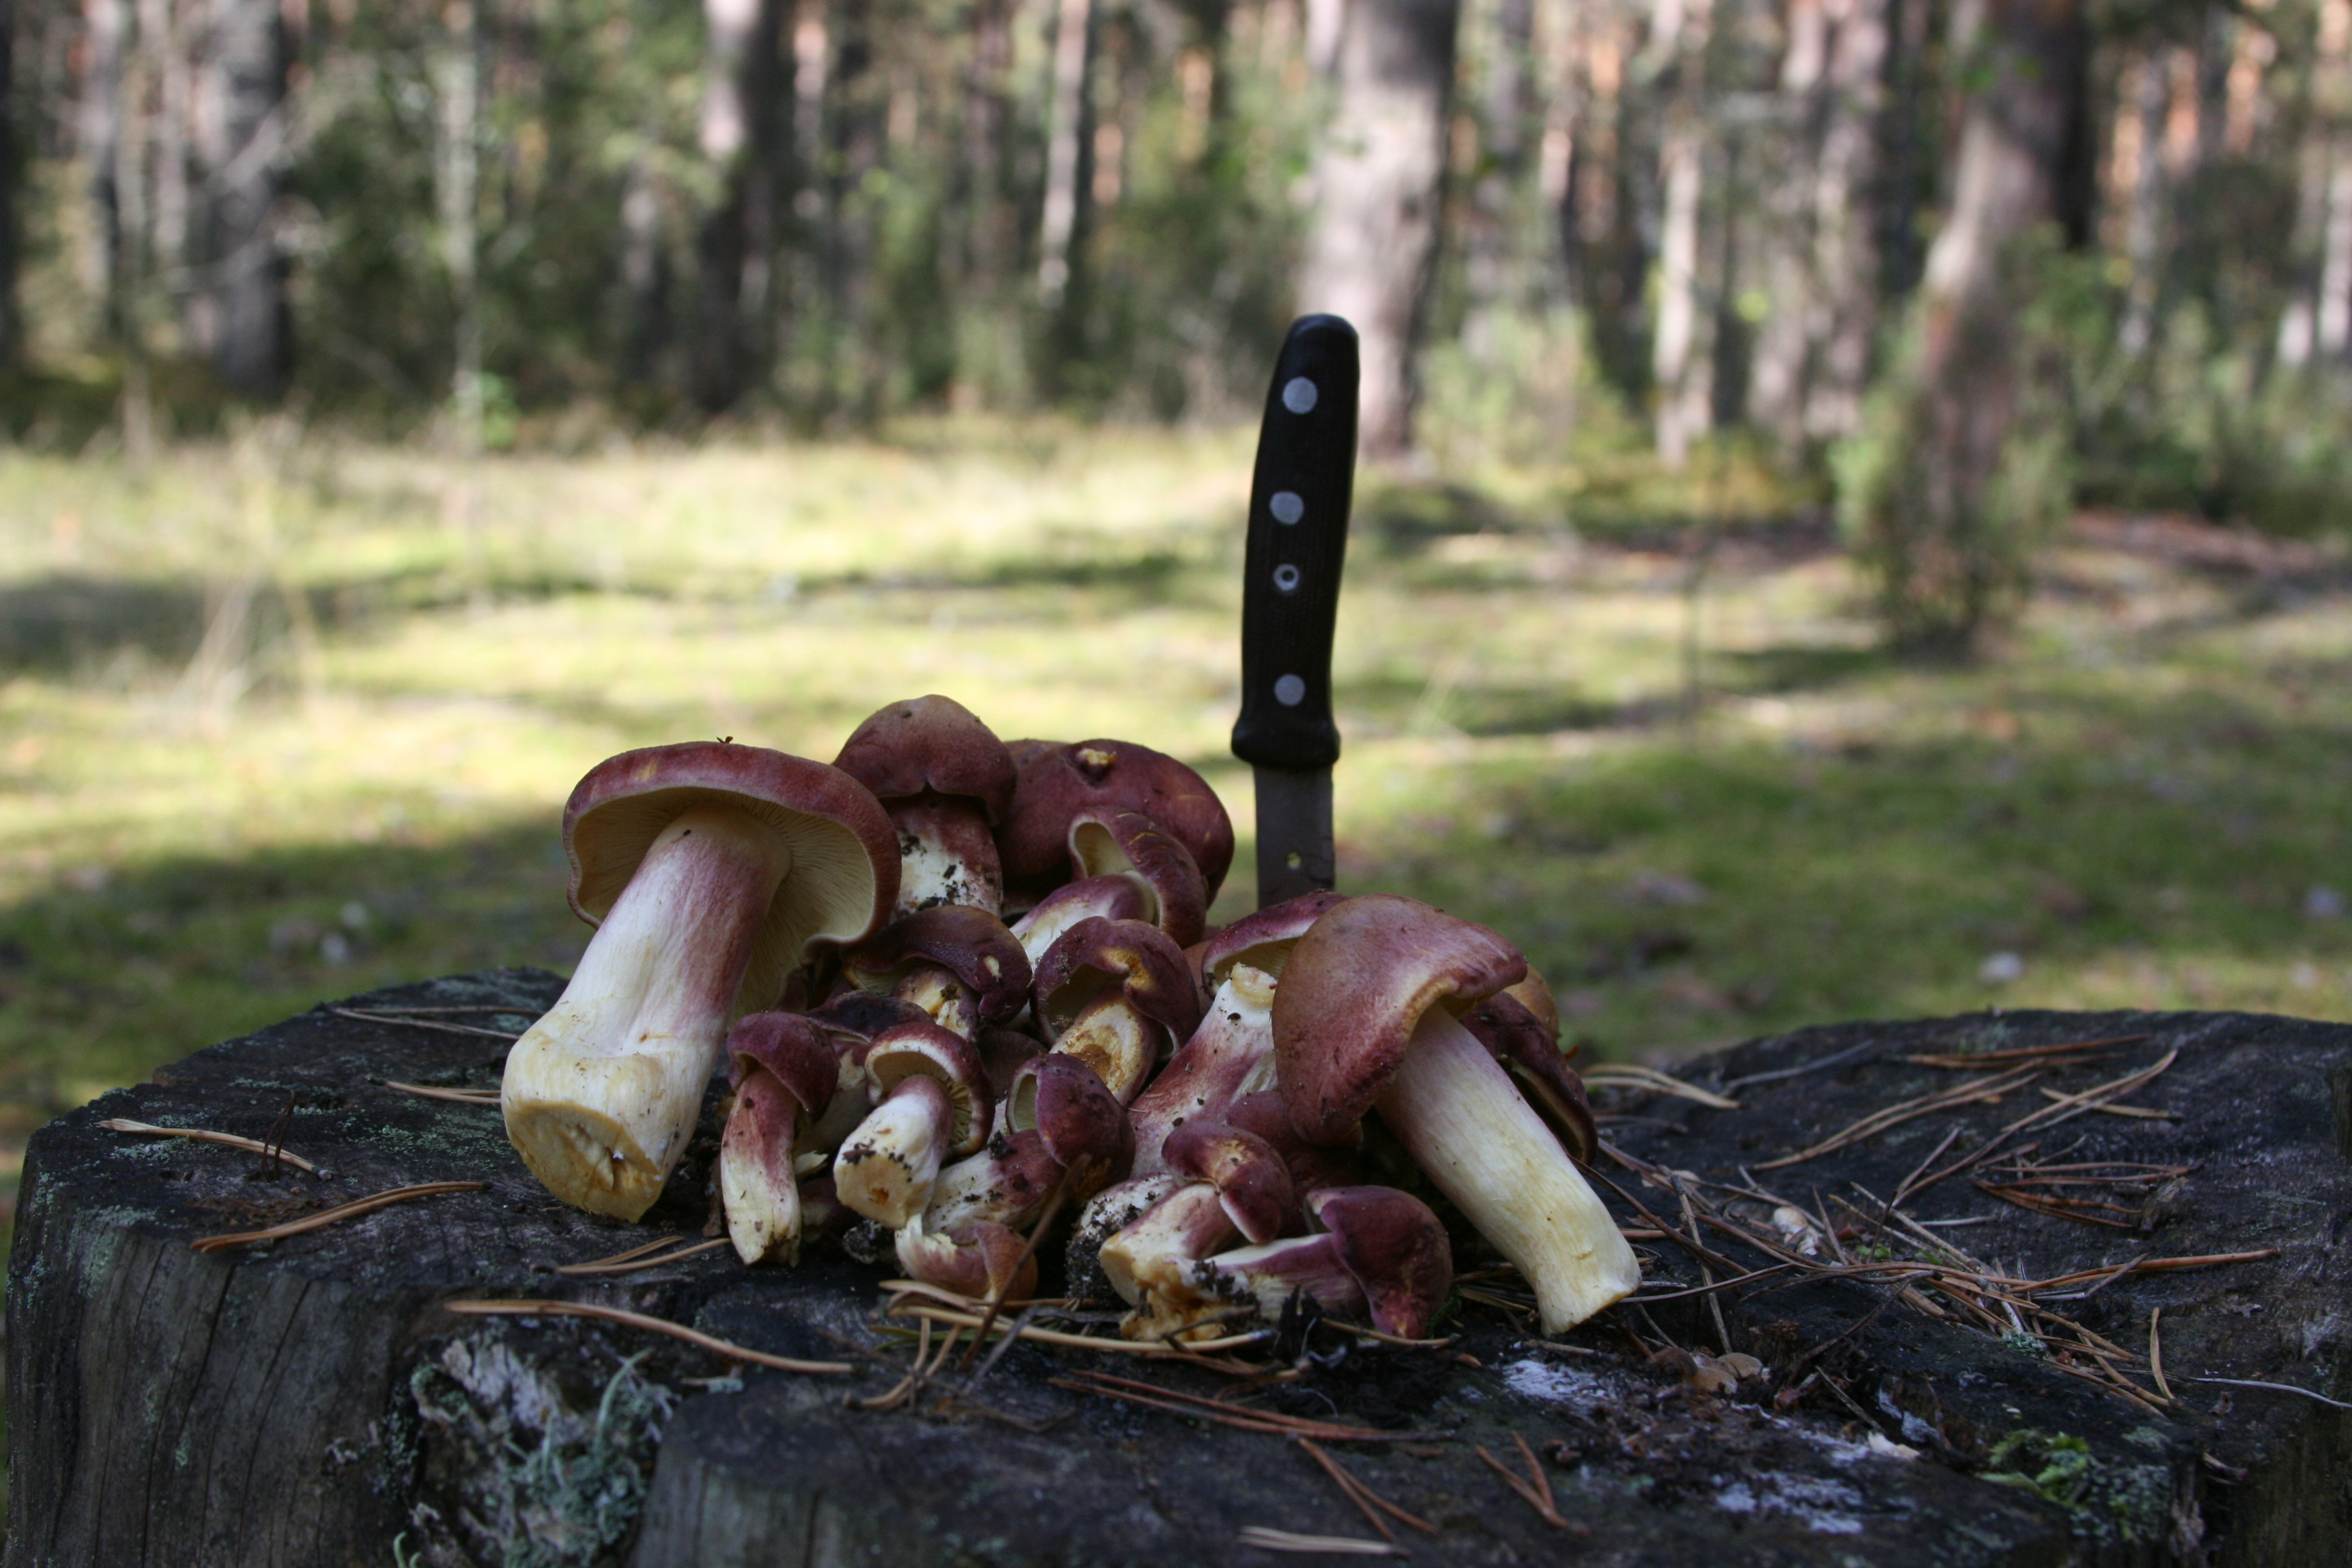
{"x": 1263, "y": 940}
{"x": 786, "y": 1072}
{"x": 1234, "y": 1185}
{"x": 709, "y": 870}
{"x": 1366, "y": 1018}
{"x": 932, "y": 1100}
{"x": 1380, "y": 1252}
{"x": 1114, "y": 897}
{"x": 1229, "y": 1055}
{"x": 1116, "y": 994}
{"x": 983, "y": 1260}
{"x": 1058, "y": 782}
{"x": 1057, "y": 1124}
{"x": 956, "y": 963}
{"x": 946, "y": 781}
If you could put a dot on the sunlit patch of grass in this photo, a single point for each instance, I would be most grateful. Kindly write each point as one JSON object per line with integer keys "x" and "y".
{"x": 359, "y": 782}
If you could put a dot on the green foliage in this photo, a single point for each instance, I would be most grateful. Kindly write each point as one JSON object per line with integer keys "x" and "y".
{"x": 1964, "y": 467}
{"x": 2105, "y": 1500}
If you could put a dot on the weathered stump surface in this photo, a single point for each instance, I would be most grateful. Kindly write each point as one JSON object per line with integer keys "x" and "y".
{"x": 311, "y": 1403}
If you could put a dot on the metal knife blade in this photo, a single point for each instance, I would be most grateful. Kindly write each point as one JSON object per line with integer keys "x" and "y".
{"x": 1299, "y": 495}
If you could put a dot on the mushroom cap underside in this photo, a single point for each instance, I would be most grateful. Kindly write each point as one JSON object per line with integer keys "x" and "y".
{"x": 845, "y": 853}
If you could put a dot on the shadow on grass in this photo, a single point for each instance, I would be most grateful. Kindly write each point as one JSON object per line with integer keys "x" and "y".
{"x": 100, "y": 984}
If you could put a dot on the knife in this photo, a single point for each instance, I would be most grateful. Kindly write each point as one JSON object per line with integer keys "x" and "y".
{"x": 1290, "y": 598}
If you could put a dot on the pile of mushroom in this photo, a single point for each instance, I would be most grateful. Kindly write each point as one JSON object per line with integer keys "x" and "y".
{"x": 901, "y": 1059}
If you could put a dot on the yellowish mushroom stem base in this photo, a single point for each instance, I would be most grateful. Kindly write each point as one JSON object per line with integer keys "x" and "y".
{"x": 601, "y": 1094}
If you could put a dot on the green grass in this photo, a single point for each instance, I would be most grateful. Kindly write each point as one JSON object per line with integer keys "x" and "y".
{"x": 211, "y": 816}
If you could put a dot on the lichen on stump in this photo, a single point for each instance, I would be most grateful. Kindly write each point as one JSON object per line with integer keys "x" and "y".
{"x": 312, "y": 1401}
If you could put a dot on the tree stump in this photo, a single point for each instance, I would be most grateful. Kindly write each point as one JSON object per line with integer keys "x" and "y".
{"x": 314, "y": 1401}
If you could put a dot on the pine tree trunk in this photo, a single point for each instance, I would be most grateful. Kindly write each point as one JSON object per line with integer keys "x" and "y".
{"x": 738, "y": 240}
{"x": 99, "y": 141}
{"x": 12, "y": 346}
{"x": 1066, "y": 216}
{"x": 1379, "y": 183}
{"x": 1972, "y": 474}
{"x": 1679, "y": 358}
{"x": 458, "y": 178}
{"x": 240, "y": 142}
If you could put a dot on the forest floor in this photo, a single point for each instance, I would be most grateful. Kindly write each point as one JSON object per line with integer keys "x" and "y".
{"x": 277, "y": 726}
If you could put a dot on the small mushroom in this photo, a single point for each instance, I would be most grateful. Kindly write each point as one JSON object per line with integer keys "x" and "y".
{"x": 709, "y": 870}
{"x": 946, "y": 781}
{"x": 785, "y": 1074}
{"x": 1058, "y": 781}
{"x": 1234, "y": 1185}
{"x": 1115, "y": 897}
{"x": 932, "y": 1099}
{"x": 1130, "y": 844}
{"x": 1058, "y": 1124}
{"x": 983, "y": 1260}
{"x": 1117, "y": 994}
{"x": 1263, "y": 940}
{"x": 1365, "y": 1018}
{"x": 1230, "y": 1055}
{"x": 956, "y": 963}
{"x": 1380, "y": 1252}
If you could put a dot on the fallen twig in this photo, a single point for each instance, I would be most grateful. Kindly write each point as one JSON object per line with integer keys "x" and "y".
{"x": 1085, "y": 1341}
{"x": 725, "y": 1348}
{"x": 205, "y": 1135}
{"x": 2009, "y": 1055}
{"x": 1534, "y": 1492}
{"x": 649, "y": 1256}
{"x": 1028, "y": 1248}
{"x": 1624, "y": 1075}
{"x": 2156, "y": 1352}
{"x": 1269, "y": 1539}
{"x": 1877, "y": 1122}
{"x": 328, "y": 1217}
{"x": 2274, "y": 1388}
{"x": 406, "y": 1022}
{"x": 454, "y": 1096}
{"x": 1111, "y": 1387}
{"x": 1365, "y": 1497}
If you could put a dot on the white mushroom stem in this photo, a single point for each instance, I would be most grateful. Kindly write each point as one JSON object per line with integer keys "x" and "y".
{"x": 1464, "y": 1122}
{"x": 759, "y": 1181}
{"x": 886, "y": 1169}
{"x": 1270, "y": 1275}
{"x": 946, "y": 855}
{"x": 1111, "y": 1037}
{"x": 601, "y": 1094}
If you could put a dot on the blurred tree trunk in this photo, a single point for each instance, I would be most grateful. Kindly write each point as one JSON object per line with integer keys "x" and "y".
{"x": 458, "y": 84}
{"x": 1066, "y": 219}
{"x": 737, "y": 245}
{"x": 987, "y": 227}
{"x": 1378, "y": 180}
{"x": 164, "y": 36}
{"x": 1493, "y": 253}
{"x": 2318, "y": 316}
{"x": 1815, "y": 355}
{"x": 1678, "y": 360}
{"x": 2139, "y": 131}
{"x": 98, "y": 135}
{"x": 1970, "y": 472}
{"x": 645, "y": 277}
{"x": 240, "y": 141}
{"x": 12, "y": 345}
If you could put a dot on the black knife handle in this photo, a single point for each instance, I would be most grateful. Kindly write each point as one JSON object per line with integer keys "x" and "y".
{"x": 1298, "y": 542}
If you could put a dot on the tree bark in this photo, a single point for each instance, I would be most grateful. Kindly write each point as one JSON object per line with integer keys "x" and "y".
{"x": 1967, "y": 483}
{"x": 1815, "y": 355}
{"x": 1678, "y": 362}
{"x": 311, "y": 1403}
{"x": 1379, "y": 183}
{"x": 1065, "y": 219}
{"x": 240, "y": 140}
{"x": 742, "y": 76}
{"x": 457, "y": 86}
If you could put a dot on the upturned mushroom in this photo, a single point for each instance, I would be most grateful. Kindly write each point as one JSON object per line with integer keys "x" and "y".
{"x": 1380, "y": 1253}
{"x": 1229, "y": 1055}
{"x": 1114, "y": 898}
{"x": 709, "y": 870}
{"x": 946, "y": 781}
{"x": 1234, "y": 1186}
{"x": 786, "y": 1073}
{"x": 958, "y": 963}
{"x": 1058, "y": 1126}
{"x": 1117, "y": 994}
{"x": 1263, "y": 940}
{"x": 932, "y": 1099}
{"x": 1365, "y": 1018}
{"x": 1058, "y": 782}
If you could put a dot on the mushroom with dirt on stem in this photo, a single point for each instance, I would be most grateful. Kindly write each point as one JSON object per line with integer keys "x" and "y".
{"x": 786, "y": 1073}
{"x": 1365, "y": 1018}
{"x": 1378, "y": 1252}
{"x": 932, "y": 1099}
{"x": 711, "y": 870}
{"x": 1117, "y": 995}
{"x": 946, "y": 780}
